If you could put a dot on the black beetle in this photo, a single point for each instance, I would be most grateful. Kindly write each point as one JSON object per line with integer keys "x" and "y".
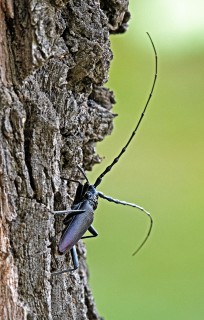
{"x": 80, "y": 217}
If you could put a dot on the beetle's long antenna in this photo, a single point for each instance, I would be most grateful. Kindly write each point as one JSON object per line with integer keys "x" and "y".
{"x": 134, "y": 206}
{"x": 83, "y": 172}
{"x": 99, "y": 179}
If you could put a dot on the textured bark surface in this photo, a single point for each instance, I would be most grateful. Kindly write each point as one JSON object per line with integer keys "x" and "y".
{"x": 54, "y": 59}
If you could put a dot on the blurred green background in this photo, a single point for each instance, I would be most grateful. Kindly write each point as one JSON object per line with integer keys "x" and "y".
{"x": 163, "y": 170}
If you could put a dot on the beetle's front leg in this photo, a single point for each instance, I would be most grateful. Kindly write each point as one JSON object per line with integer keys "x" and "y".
{"x": 70, "y": 212}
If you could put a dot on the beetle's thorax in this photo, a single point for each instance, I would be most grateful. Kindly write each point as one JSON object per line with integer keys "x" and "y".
{"x": 92, "y": 196}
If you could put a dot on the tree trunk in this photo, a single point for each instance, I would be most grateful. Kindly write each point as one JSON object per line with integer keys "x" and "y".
{"x": 54, "y": 59}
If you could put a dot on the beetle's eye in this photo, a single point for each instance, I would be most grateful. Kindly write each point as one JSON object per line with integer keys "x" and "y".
{"x": 87, "y": 195}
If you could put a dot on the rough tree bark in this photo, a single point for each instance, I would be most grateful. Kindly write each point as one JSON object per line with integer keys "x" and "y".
{"x": 54, "y": 59}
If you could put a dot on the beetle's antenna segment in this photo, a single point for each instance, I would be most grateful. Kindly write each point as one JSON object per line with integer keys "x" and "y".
{"x": 147, "y": 236}
{"x": 99, "y": 179}
{"x": 102, "y": 195}
{"x": 83, "y": 172}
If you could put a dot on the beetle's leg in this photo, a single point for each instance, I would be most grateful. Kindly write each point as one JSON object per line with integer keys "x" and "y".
{"x": 70, "y": 180}
{"x": 74, "y": 260}
{"x": 134, "y": 206}
{"x": 75, "y": 211}
{"x": 92, "y": 231}
{"x": 70, "y": 213}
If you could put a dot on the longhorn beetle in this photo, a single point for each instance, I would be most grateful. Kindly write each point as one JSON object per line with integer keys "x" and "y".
{"x": 80, "y": 217}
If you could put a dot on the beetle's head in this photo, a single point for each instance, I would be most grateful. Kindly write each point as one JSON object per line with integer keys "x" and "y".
{"x": 92, "y": 196}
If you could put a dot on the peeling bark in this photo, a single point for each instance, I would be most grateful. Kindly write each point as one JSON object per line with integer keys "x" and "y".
{"x": 54, "y": 59}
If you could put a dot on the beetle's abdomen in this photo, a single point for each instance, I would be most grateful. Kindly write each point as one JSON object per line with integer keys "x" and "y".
{"x": 77, "y": 227}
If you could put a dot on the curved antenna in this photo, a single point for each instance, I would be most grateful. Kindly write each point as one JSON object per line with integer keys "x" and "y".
{"x": 102, "y": 195}
{"x": 83, "y": 173}
{"x": 99, "y": 179}
{"x": 147, "y": 236}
